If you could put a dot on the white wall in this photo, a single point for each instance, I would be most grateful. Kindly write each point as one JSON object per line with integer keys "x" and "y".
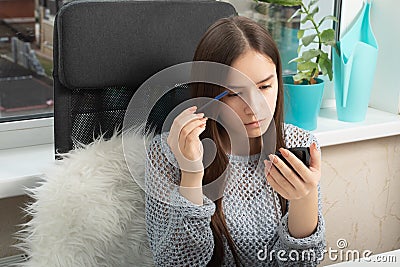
{"x": 385, "y": 93}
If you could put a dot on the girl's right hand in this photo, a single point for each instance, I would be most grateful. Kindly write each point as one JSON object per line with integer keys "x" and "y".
{"x": 184, "y": 140}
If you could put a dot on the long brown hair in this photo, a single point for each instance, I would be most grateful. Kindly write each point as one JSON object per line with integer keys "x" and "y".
{"x": 224, "y": 42}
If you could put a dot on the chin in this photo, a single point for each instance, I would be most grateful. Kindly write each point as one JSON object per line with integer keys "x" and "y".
{"x": 254, "y": 133}
{"x": 258, "y": 131}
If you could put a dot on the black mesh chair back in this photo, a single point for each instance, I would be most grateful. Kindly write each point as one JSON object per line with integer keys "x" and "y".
{"x": 104, "y": 50}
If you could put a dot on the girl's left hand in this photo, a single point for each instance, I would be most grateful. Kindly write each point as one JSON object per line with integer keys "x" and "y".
{"x": 286, "y": 182}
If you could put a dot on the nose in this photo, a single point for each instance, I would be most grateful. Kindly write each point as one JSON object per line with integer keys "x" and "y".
{"x": 248, "y": 110}
{"x": 253, "y": 105}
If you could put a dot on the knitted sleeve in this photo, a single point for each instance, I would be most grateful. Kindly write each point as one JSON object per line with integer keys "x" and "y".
{"x": 179, "y": 231}
{"x": 307, "y": 251}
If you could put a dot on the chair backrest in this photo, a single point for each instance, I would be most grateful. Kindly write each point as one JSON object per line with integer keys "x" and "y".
{"x": 104, "y": 50}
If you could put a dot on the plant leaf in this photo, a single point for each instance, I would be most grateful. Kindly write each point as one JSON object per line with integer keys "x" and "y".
{"x": 298, "y": 48}
{"x": 297, "y": 59}
{"x": 300, "y": 34}
{"x": 307, "y": 55}
{"x": 313, "y": 2}
{"x": 308, "y": 17}
{"x": 329, "y": 68}
{"x": 314, "y": 11}
{"x": 327, "y": 18}
{"x": 306, "y": 40}
{"x": 328, "y": 36}
{"x": 302, "y": 76}
{"x": 307, "y": 66}
{"x": 322, "y": 66}
{"x": 323, "y": 55}
{"x": 326, "y": 67}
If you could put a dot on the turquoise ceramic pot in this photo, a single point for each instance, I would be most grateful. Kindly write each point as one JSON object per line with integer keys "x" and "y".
{"x": 302, "y": 103}
{"x": 354, "y": 68}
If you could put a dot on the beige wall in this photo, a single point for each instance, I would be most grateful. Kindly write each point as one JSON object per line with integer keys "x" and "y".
{"x": 361, "y": 197}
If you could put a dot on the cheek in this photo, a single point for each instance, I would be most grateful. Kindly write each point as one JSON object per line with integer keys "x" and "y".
{"x": 232, "y": 119}
{"x": 234, "y": 104}
{"x": 271, "y": 97}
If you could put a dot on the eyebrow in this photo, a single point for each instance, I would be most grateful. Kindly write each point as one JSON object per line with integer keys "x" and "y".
{"x": 239, "y": 87}
{"x": 266, "y": 79}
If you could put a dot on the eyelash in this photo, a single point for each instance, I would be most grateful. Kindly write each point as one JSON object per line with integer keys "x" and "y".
{"x": 264, "y": 87}
{"x": 234, "y": 94}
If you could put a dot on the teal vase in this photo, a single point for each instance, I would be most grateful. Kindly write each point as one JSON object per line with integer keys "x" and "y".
{"x": 302, "y": 103}
{"x": 354, "y": 68}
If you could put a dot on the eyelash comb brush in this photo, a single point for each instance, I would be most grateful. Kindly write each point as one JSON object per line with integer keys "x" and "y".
{"x": 218, "y": 97}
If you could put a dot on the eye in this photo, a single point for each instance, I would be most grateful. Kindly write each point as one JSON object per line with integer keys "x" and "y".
{"x": 265, "y": 86}
{"x": 233, "y": 94}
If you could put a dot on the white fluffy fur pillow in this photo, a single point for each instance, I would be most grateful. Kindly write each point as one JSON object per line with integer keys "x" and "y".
{"x": 89, "y": 211}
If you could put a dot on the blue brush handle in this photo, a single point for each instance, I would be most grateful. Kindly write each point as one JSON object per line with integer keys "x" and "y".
{"x": 218, "y": 97}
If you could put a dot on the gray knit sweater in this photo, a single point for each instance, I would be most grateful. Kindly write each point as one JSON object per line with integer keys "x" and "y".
{"x": 179, "y": 231}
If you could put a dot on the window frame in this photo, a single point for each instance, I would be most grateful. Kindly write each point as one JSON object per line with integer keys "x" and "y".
{"x": 26, "y": 132}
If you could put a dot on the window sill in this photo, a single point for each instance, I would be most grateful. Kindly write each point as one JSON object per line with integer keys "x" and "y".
{"x": 24, "y": 133}
{"x": 331, "y": 131}
{"x": 23, "y": 167}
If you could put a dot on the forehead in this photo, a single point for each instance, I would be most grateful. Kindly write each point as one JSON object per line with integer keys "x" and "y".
{"x": 252, "y": 64}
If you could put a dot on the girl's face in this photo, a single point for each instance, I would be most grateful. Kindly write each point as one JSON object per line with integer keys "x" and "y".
{"x": 255, "y": 106}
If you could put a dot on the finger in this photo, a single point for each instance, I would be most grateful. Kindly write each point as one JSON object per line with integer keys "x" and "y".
{"x": 192, "y": 144}
{"x": 189, "y": 110}
{"x": 187, "y": 131}
{"x": 191, "y": 125}
{"x": 281, "y": 179}
{"x": 286, "y": 171}
{"x": 194, "y": 135}
{"x": 268, "y": 165}
{"x": 178, "y": 122}
{"x": 295, "y": 162}
{"x": 315, "y": 160}
{"x": 277, "y": 187}
{"x": 185, "y": 120}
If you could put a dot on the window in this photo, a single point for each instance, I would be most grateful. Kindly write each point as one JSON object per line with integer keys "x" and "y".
{"x": 26, "y": 33}
{"x": 26, "y": 62}
{"x": 275, "y": 19}
{"x": 26, "y": 36}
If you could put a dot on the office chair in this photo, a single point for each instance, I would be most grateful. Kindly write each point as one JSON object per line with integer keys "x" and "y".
{"x": 88, "y": 210}
{"x": 104, "y": 50}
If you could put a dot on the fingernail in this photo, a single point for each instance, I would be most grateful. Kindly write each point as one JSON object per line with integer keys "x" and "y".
{"x": 314, "y": 146}
{"x": 284, "y": 152}
{"x": 193, "y": 108}
{"x": 200, "y": 115}
{"x": 272, "y": 158}
{"x": 267, "y": 163}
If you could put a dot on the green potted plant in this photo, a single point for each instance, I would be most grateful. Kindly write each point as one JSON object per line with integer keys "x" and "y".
{"x": 304, "y": 90}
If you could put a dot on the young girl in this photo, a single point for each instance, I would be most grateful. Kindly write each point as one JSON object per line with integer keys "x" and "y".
{"x": 266, "y": 216}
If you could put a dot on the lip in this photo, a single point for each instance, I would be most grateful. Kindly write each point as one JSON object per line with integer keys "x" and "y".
{"x": 254, "y": 123}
